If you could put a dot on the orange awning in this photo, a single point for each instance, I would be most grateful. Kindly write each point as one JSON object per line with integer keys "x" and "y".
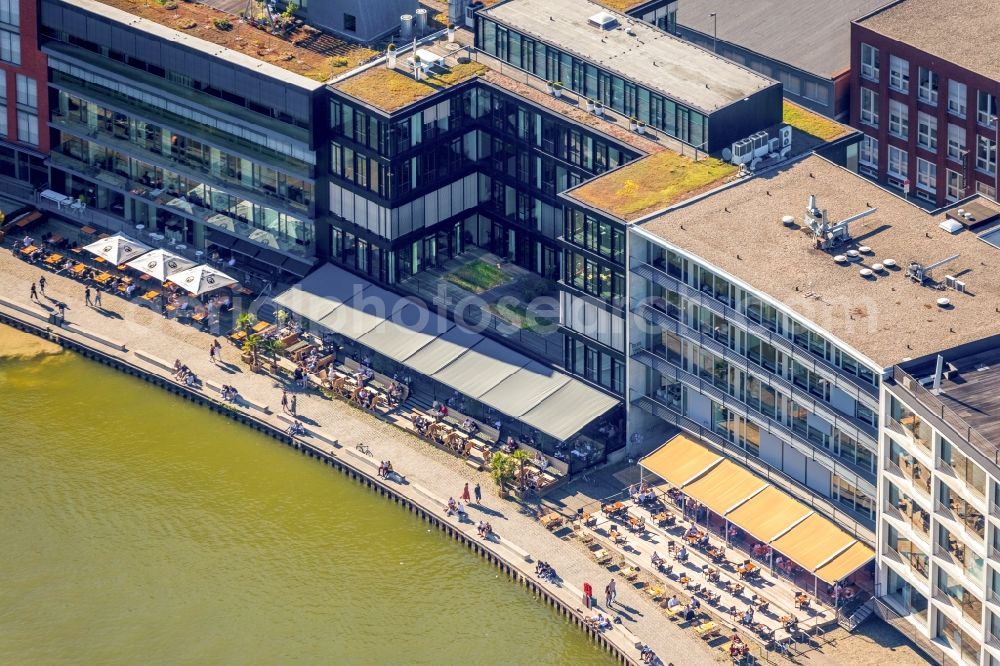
{"x": 812, "y": 542}
{"x": 768, "y": 514}
{"x": 680, "y": 460}
{"x": 846, "y": 563}
{"x": 724, "y": 487}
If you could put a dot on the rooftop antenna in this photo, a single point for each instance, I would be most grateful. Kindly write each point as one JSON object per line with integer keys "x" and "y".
{"x": 920, "y": 273}
{"x": 939, "y": 368}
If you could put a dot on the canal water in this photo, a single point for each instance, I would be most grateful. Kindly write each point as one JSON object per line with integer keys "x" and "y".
{"x": 136, "y": 527}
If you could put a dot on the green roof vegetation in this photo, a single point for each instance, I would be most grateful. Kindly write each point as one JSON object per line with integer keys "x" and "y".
{"x": 477, "y": 276}
{"x": 652, "y": 183}
{"x": 619, "y": 5}
{"x": 391, "y": 90}
{"x": 812, "y": 123}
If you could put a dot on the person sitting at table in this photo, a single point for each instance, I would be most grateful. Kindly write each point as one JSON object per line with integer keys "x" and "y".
{"x": 452, "y": 506}
{"x": 130, "y": 289}
{"x": 68, "y": 265}
{"x": 692, "y": 531}
{"x": 703, "y": 542}
{"x": 689, "y": 614}
{"x": 747, "y": 618}
{"x": 673, "y": 602}
{"x": 682, "y": 554}
{"x": 656, "y": 560}
{"x": 695, "y": 604}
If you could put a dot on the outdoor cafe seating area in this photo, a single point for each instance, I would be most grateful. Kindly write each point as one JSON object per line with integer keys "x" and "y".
{"x": 693, "y": 576}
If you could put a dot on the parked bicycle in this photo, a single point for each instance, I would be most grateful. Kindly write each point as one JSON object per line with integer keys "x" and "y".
{"x": 363, "y": 448}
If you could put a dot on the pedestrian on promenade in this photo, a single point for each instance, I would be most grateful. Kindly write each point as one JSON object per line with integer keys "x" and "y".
{"x": 284, "y": 401}
{"x": 610, "y": 592}
{"x": 291, "y": 405}
{"x": 97, "y": 298}
{"x": 86, "y": 295}
{"x": 41, "y": 284}
{"x": 211, "y": 354}
{"x": 62, "y": 313}
{"x": 34, "y": 292}
{"x": 465, "y": 493}
{"x": 477, "y": 491}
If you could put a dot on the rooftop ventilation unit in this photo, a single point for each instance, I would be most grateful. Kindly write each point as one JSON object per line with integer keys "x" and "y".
{"x": 920, "y": 273}
{"x": 604, "y": 20}
{"x": 830, "y": 235}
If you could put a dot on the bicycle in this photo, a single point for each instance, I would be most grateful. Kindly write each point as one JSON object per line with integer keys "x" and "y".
{"x": 363, "y": 448}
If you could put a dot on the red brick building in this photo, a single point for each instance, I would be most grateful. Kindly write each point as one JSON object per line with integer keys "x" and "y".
{"x": 925, "y": 79}
{"x": 24, "y": 135}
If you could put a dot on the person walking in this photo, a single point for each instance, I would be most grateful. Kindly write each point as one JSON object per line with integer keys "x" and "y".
{"x": 284, "y": 401}
{"x": 34, "y": 292}
{"x": 612, "y": 592}
{"x": 211, "y": 354}
{"x": 291, "y": 405}
{"x": 86, "y": 295}
{"x": 465, "y": 493}
{"x": 609, "y": 597}
{"x": 97, "y": 298}
{"x": 41, "y": 284}
{"x": 478, "y": 492}
{"x": 62, "y": 313}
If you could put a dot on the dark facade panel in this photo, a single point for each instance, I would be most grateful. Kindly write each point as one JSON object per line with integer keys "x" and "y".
{"x": 98, "y": 30}
{"x": 740, "y": 120}
{"x": 221, "y": 76}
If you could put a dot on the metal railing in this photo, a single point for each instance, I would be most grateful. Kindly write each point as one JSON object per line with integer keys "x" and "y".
{"x": 898, "y": 622}
{"x": 932, "y": 404}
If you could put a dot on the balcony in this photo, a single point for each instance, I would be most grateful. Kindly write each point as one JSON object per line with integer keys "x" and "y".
{"x": 183, "y": 166}
{"x": 850, "y": 384}
{"x": 849, "y": 471}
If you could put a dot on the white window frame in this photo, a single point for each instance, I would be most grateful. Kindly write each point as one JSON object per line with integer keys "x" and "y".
{"x": 3, "y": 121}
{"x": 956, "y": 142}
{"x": 954, "y": 185}
{"x": 899, "y": 119}
{"x": 986, "y": 154}
{"x": 10, "y": 47}
{"x": 868, "y": 152}
{"x": 958, "y": 98}
{"x": 869, "y": 116}
{"x": 926, "y": 175}
{"x": 899, "y": 74}
{"x": 27, "y": 91}
{"x": 927, "y": 131}
{"x": 869, "y": 62}
{"x": 10, "y": 12}
{"x": 928, "y": 92}
{"x": 986, "y": 116}
{"x": 902, "y": 158}
{"x": 27, "y": 127}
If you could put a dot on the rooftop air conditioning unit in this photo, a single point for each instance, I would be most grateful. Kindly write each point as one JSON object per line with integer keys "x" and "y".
{"x": 786, "y": 135}
{"x": 742, "y": 151}
{"x": 773, "y": 145}
{"x": 759, "y": 144}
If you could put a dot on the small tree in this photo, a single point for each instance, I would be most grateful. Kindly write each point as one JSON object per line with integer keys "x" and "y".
{"x": 272, "y": 347}
{"x": 246, "y": 321}
{"x": 252, "y": 347}
{"x": 282, "y": 316}
{"x": 502, "y": 469}
{"x": 520, "y": 458}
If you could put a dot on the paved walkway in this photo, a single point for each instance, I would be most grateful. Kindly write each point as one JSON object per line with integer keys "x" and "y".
{"x": 432, "y": 475}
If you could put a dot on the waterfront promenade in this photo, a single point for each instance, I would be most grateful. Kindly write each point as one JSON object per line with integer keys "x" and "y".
{"x": 432, "y": 475}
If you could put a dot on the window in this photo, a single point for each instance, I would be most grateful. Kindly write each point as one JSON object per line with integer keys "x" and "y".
{"x": 986, "y": 155}
{"x": 927, "y": 85}
{"x": 963, "y": 468}
{"x": 27, "y": 92}
{"x": 27, "y": 127}
{"x": 899, "y": 118}
{"x": 956, "y": 142}
{"x": 10, "y": 47}
{"x": 957, "y": 94}
{"x": 897, "y": 162}
{"x": 10, "y": 12}
{"x": 899, "y": 74}
{"x": 926, "y": 175}
{"x": 869, "y": 107}
{"x": 926, "y": 131}
{"x": 986, "y": 110}
{"x": 3, "y": 119}
{"x": 869, "y": 62}
{"x": 956, "y": 184}
{"x": 350, "y": 23}
{"x": 869, "y": 151}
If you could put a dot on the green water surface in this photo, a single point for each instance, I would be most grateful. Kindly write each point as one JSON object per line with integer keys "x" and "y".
{"x": 138, "y": 528}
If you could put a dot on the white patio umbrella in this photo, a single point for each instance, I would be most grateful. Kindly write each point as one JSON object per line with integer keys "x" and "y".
{"x": 117, "y": 249}
{"x": 161, "y": 264}
{"x": 202, "y": 279}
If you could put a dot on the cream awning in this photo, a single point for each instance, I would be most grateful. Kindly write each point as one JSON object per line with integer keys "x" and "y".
{"x": 725, "y": 486}
{"x": 843, "y": 565}
{"x": 768, "y": 514}
{"x": 525, "y": 389}
{"x": 680, "y": 460}
{"x": 561, "y": 413}
{"x": 812, "y": 542}
{"x": 481, "y": 368}
{"x": 320, "y": 293}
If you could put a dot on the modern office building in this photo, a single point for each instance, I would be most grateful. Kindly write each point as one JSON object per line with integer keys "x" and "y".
{"x": 925, "y": 85}
{"x": 764, "y": 316}
{"x": 939, "y": 537}
{"x": 806, "y": 45}
{"x": 169, "y": 134}
{"x": 24, "y": 137}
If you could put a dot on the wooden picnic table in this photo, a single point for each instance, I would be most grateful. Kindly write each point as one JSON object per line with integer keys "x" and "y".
{"x": 88, "y": 230}
{"x": 150, "y": 295}
{"x": 53, "y": 259}
{"x": 261, "y": 326}
{"x": 29, "y": 250}
{"x": 237, "y": 335}
{"x": 78, "y": 269}
{"x": 707, "y": 629}
{"x": 551, "y": 520}
{"x": 198, "y": 316}
{"x": 103, "y": 278}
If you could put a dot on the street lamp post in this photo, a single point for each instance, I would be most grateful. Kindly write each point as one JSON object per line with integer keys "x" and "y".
{"x": 715, "y": 32}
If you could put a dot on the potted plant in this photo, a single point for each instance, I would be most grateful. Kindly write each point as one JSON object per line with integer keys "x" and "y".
{"x": 451, "y": 32}
{"x": 557, "y": 87}
{"x": 503, "y": 470}
{"x": 633, "y": 123}
{"x": 246, "y": 321}
{"x": 390, "y": 56}
{"x": 272, "y": 347}
{"x": 590, "y": 104}
{"x": 417, "y": 69}
{"x": 282, "y": 316}
{"x": 521, "y": 458}
{"x": 251, "y": 351}
{"x": 598, "y": 109}
{"x": 641, "y": 127}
